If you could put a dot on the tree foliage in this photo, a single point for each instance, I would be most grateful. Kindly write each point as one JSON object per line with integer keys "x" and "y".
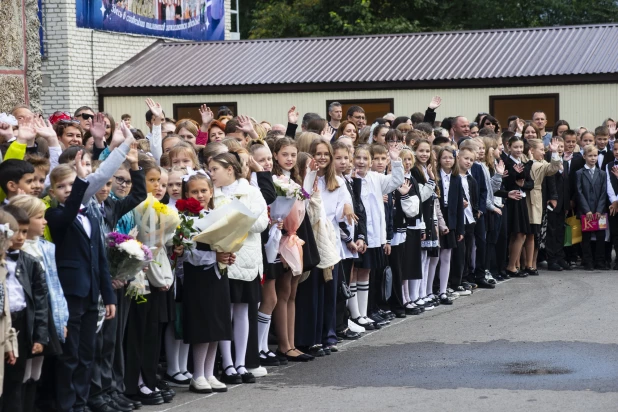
{"x": 308, "y": 18}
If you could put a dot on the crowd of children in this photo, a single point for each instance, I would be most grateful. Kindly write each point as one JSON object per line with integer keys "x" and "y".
{"x": 395, "y": 219}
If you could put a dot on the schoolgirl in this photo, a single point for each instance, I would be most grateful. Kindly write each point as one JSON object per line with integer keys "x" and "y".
{"x": 205, "y": 294}
{"x": 405, "y": 203}
{"x": 245, "y": 274}
{"x": 518, "y": 217}
{"x": 174, "y": 185}
{"x": 373, "y": 187}
{"x": 534, "y": 201}
{"x": 451, "y": 206}
{"x": 183, "y": 155}
{"x": 423, "y": 173}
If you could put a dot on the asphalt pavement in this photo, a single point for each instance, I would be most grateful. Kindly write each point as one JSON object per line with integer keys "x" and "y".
{"x": 546, "y": 343}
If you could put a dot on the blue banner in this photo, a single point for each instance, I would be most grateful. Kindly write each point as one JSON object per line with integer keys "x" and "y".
{"x": 179, "y": 19}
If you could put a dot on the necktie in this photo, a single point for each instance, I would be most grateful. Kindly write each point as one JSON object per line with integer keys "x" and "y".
{"x": 13, "y": 255}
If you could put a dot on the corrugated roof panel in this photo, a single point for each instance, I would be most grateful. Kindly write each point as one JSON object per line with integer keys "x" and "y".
{"x": 486, "y": 54}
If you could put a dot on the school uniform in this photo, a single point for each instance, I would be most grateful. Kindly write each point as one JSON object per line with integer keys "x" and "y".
{"x": 518, "y": 218}
{"x": 83, "y": 274}
{"x": 480, "y": 228}
{"x": 26, "y": 291}
{"x": 412, "y": 267}
{"x": 451, "y": 205}
{"x": 592, "y": 195}
{"x": 558, "y": 189}
{"x": 471, "y": 216}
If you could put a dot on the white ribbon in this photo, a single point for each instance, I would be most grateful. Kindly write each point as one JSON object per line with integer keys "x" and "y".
{"x": 190, "y": 173}
{"x": 7, "y": 230}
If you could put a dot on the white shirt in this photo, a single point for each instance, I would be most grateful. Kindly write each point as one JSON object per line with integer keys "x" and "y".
{"x": 15, "y": 291}
{"x": 83, "y": 219}
{"x": 613, "y": 196}
{"x": 469, "y": 216}
{"x": 590, "y": 170}
{"x": 601, "y": 157}
{"x": 374, "y": 219}
{"x": 446, "y": 184}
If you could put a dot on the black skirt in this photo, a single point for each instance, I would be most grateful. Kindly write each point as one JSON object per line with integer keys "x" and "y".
{"x": 518, "y": 219}
{"x": 245, "y": 292}
{"x": 311, "y": 256}
{"x": 205, "y": 306}
{"x": 412, "y": 267}
{"x": 373, "y": 258}
{"x": 272, "y": 271}
{"x": 448, "y": 241}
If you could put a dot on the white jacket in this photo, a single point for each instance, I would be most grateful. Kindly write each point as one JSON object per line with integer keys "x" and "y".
{"x": 248, "y": 263}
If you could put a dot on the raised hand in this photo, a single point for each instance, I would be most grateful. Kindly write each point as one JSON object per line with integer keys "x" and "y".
{"x": 500, "y": 168}
{"x": 404, "y": 189}
{"x": 430, "y": 172}
{"x": 25, "y": 132}
{"x": 293, "y": 115}
{"x": 435, "y": 102}
{"x": 126, "y": 132}
{"x": 553, "y": 146}
{"x": 244, "y": 124}
{"x": 206, "y": 114}
{"x": 254, "y": 166}
{"x": 97, "y": 129}
{"x": 313, "y": 165}
{"x": 520, "y": 125}
{"x": 612, "y": 130}
{"x": 6, "y": 132}
{"x": 155, "y": 108}
{"x": 133, "y": 155}
{"x": 79, "y": 167}
{"x": 394, "y": 151}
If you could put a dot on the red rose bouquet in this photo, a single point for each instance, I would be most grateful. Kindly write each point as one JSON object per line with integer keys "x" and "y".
{"x": 187, "y": 209}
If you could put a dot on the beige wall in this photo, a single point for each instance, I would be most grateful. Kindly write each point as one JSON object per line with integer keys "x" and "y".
{"x": 582, "y": 105}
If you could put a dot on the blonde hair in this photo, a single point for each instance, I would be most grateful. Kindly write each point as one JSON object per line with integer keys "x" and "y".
{"x": 469, "y": 144}
{"x": 60, "y": 173}
{"x": 186, "y": 149}
{"x": 188, "y": 124}
{"x": 304, "y": 140}
{"x": 406, "y": 151}
{"x": 535, "y": 143}
{"x": 590, "y": 148}
{"x": 231, "y": 144}
{"x": 29, "y": 204}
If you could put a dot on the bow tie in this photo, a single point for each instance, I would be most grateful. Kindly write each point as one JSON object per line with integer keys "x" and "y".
{"x": 603, "y": 152}
{"x": 13, "y": 255}
{"x": 82, "y": 211}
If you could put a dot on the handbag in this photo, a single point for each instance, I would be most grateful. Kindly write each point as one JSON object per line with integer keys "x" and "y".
{"x": 576, "y": 229}
{"x": 594, "y": 224}
{"x": 344, "y": 292}
{"x": 387, "y": 284}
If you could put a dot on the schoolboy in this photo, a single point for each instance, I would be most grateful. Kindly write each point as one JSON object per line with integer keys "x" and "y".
{"x": 16, "y": 175}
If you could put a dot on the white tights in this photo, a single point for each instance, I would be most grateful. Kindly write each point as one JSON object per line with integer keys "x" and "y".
{"x": 445, "y": 268}
{"x": 240, "y": 318}
{"x": 204, "y": 356}
{"x": 33, "y": 368}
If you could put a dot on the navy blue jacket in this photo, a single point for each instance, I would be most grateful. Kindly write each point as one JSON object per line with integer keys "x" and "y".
{"x": 455, "y": 210}
{"x": 479, "y": 176}
{"x": 81, "y": 260}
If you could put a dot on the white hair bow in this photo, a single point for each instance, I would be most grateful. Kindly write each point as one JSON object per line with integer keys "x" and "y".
{"x": 8, "y": 118}
{"x": 190, "y": 173}
{"x": 7, "y": 230}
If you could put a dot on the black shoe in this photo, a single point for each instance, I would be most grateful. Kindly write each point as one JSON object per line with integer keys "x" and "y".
{"x": 601, "y": 266}
{"x": 315, "y": 351}
{"x": 233, "y": 379}
{"x": 413, "y": 311}
{"x": 118, "y": 407}
{"x": 246, "y": 377}
{"x": 102, "y": 408}
{"x": 499, "y": 278}
{"x": 367, "y": 326}
{"x": 386, "y": 314}
{"x": 290, "y": 358}
{"x": 266, "y": 360}
{"x": 168, "y": 395}
{"x": 519, "y": 274}
{"x": 178, "y": 380}
{"x": 348, "y": 335}
{"x": 399, "y": 314}
{"x": 564, "y": 264}
{"x": 554, "y": 267}
{"x": 124, "y": 403}
{"x": 379, "y": 319}
{"x": 120, "y": 396}
{"x": 484, "y": 284}
{"x": 326, "y": 351}
{"x": 589, "y": 267}
{"x": 153, "y": 398}
{"x": 532, "y": 272}
{"x": 445, "y": 300}
{"x": 504, "y": 276}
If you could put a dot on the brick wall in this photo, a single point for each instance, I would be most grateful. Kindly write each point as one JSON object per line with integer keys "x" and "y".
{"x": 77, "y": 57}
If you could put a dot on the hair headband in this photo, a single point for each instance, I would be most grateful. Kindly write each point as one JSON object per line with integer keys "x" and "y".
{"x": 191, "y": 173}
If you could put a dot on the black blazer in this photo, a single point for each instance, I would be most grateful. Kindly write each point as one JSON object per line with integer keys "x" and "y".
{"x": 82, "y": 264}
{"x": 473, "y": 189}
{"x": 116, "y": 208}
{"x": 607, "y": 159}
{"x": 30, "y": 274}
{"x": 558, "y": 187}
{"x": 479, "y": 177}
{"x": 455, "y": 210}
{"x": 577, "y": 163}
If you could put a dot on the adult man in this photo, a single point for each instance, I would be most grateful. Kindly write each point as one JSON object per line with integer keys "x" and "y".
{"x": 460, "y": 128}
{"x": 85, "y": 115}
{"x": 336, "y": 113}
{"x": 356, "y": 115}
{"x": 278, "y": 128}
{"x": 540, "y": 120}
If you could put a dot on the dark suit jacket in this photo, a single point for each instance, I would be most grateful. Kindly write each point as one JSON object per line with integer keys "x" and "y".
{"x": 591, "y": 192}
{"x": 479, "y": 176}
{"x": 577, "y": 162}
{"x": 30, "y": 274}
{"x": 116, "y": 208}
{"x": 473, "y": 189}
{"x": 607, "y": 158}
{"x": 558, "y": 187}
{"x": 81, "y": 260}
{"x": 455, "y": 209}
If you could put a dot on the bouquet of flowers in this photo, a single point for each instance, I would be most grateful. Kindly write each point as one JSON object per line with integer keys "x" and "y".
{"x": 188, "y": 208}
{"x": 156, "y": 224}
{"x": 227, "y": 226}
{"x": 126, "y": 256}
{"x": 288, "y": 194}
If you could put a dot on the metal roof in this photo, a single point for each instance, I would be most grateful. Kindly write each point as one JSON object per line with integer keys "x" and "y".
{"x": 410, "y": 58}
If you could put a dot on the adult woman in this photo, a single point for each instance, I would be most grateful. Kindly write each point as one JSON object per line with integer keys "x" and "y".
{"x": 379, "y": 134}
{"x": 188, "y": 130}
{"x": 110, "y": 127}
{"x": 348, "y": 129}
{"x": 244, "y": 274}
{"x": 490, "y": 122}
{"x": 560, "y": 127}
{"x": 474, "y": 129}
{"x": 216, "y": 131}
{"x": 69, "y": 133}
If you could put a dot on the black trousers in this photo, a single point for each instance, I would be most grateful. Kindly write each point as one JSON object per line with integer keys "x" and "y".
{"x": 469, "y": 236}
{"x": 252, "y": 355}
{"x": 613, "y": 230}
{"x": 599, "y": 248}
{"x": 554, "y": 244}
{"x": 102, "y": 366}
{"x": 493, "y": 235}
{"x": 396, "y": 301}
{"x": 329, "y": 335}
{"x": 345, "y": 270}
{"x": 122, "y": 313}
{"x": 310, "y": 310}
{"x": 502, "y": 243}
{"x": 480, "y": 236}
{"x": 458, "y": 260}
{"x": 375, "y": 290}
{"x": 14, "y": 374}
{"x": 74, "y": 365}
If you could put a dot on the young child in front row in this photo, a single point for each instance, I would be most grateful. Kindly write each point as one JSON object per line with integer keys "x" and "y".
{"x": 591, "y": 200}
{"x": 27, "y": 295}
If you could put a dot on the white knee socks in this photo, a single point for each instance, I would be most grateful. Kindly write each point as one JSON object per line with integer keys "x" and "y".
{"x": 433, "y": 263}
{"x": 263, "y": 327}
{"x": 363, "y": 297}
{"x": 353, "y": 302}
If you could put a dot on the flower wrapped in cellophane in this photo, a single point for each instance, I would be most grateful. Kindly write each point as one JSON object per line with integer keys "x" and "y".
{"x": 227, "y": 226}
{"x": 156, "y": 224}
{"x": 126, "y": 256}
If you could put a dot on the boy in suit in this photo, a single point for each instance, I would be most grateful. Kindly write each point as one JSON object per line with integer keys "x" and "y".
{"x": 612, "y": 193}
{"x": 591, "y": 200}
{"x": 84, "y": 274}
{"x": 27, "y": 295}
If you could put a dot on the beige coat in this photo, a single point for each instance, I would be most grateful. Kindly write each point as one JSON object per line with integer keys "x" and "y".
{"x": 8, "y": 335}
{"x": 534, "y": 199}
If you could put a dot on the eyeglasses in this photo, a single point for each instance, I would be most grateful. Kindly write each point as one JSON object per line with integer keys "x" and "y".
{"x": 85, "y": 116}
{"x": 122, "y": 182}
